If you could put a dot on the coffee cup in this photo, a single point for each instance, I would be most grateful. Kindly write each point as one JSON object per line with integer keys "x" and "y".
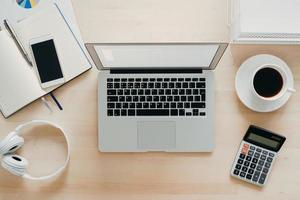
{"x": 270, "y": 82}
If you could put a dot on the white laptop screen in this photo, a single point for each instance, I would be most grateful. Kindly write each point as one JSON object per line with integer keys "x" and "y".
{"x": 158, "y": 55}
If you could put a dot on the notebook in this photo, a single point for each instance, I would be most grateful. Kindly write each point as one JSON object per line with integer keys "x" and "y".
{"x": 19, "y": 84}
{"x": 270, "y": 21}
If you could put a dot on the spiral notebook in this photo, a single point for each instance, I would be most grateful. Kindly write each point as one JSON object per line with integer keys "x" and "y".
{"x": 19, "y": 84}
{"x": 266, "y": 21}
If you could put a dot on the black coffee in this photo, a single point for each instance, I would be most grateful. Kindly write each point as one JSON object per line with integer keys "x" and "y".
{"x": 267, "y": 82}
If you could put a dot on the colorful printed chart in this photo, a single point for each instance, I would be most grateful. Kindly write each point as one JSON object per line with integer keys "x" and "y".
{"x": 28, "y": 3}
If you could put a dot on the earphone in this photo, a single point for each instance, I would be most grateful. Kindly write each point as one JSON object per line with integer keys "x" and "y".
{"x": 16, "y": 164}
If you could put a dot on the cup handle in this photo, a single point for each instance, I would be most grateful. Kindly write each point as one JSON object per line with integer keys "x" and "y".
{"x": 292, "y": 90}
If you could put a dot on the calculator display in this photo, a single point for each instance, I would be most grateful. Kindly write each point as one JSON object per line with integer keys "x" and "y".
{"x": 262, "y": 140}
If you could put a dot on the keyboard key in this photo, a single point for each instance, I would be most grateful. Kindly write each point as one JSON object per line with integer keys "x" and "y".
{"x": 252, "y": 165}
{"x": 202, "y": 114}
{"x": 252, "y": 147}
{"x": 200, "y": 85}
{"x": 242, "y": 156}
{"x": 131, "y": 112}
{"x": 236, "y": 172}
{"x": 254, "y": 160}
{"x": 182, "y": 112}
{"x": 198, "y": 105}
{"x": 256, "y": 176}
{"x": 116, "y": 85}
{"x": 123, "y": 112}
{"x": 267, "y": 165}
{"x": 128, "y": 98}
{"x": 256, "y": 155}
{"x": 109, "y": 80}
{"x": 111, "y": 92}
{"x": 261, "y": 162}
{"x": 118, "y": 105}
{"x": 265, "y": 170}
{"x": 265, "y": 152}
{"x": 195, "y": 112}
{"x": 139, "y": 105}
{"x": 250, "y": 152}
{"x": 187, "y": 105}
{"x": 244, "y": 169}
{"x": 246, "y": 163}
{"x": 135, "y": 98}
{"x": 248, "y": 158}
{"x": 132, "y": 105}
{"x": 152, "y": 112}
{"x": 111, "y": 105}
{"x": 237, "y": 166}
{"x": 110, "y": 112}
{"x": 242, "y": 174}
{"x": 249, "y": 176}
{"x": 269, "y": 159}
{"x": 112, "y": 98}
{"x": 159, "y": 105}
{"x": 146, "y": 105}
{"x": 262, "y": 178}
{"x": 188, "y": 91}
{"x": 259, "y": 150}
{"x": 271, "y": 154}
{"x": 130, "y": 85}
{"x": 152, "y": 105}
{"x": 116, "y": 80}
{"x": 116, "y": 112}
{"x": 263, "y": 157}
{"x": 166, "y": 105}
{"x": 188, "y": 114}
{"x": 250, "y": 171}
{"x": 174, "y": 112}
{"x": 110, "y": 85}
{"x": 240, "y": 161}
{"x": 259, "y": 168}
{"x": 173, "y": 105}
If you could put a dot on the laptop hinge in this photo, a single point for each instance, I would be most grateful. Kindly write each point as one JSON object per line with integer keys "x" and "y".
{"x": 155, "y": 71}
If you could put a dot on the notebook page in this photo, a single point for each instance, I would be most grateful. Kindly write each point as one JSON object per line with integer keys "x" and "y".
{"x": 270, "y": 16}
{"x": 18, "y": 84}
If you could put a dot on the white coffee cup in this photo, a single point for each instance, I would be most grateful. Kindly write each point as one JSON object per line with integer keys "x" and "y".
{"x": 285, "y": 86}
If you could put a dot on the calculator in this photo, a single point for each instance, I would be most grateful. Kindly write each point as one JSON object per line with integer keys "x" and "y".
{"x": 256, "y": 155}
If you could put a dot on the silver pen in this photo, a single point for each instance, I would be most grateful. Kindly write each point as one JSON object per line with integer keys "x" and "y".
{"x": 17, "y": 41}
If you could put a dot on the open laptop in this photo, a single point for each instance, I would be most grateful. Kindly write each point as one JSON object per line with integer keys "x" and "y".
{"x": 156, "y": 97}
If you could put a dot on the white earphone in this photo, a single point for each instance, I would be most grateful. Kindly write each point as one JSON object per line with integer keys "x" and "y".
{"x": 16, "y": 164}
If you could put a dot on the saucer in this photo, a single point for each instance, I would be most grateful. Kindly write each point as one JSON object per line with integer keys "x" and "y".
{"x": 243, "y": 83}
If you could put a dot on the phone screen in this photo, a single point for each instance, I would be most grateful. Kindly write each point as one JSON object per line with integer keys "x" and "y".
{"x": 47, "y": 62}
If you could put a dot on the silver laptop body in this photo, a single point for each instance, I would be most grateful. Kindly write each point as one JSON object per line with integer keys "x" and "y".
{"x": 156, "y": 97}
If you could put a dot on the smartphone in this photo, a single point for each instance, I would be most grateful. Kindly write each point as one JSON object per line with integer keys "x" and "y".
{"x": 46, "y": 61}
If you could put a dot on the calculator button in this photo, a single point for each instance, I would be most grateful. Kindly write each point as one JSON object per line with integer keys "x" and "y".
{"x": 258, "y": 150}
{"x": 269, "y": 159}
{"x": 254, "y": 160}
{"x": 262, "y": 178}
{"x": 236, "y": 172}
{"x": 244, "y": 169}
{"x": 256, "y": 155}
{"x": 248, "y": 158}
{"x": 271, "y": 154}
{"x": 240, "y": 161}
{"x": 246, "y": 163}
{"x": 259, "y": 168}
{"x": 267, "y": 165}
{"x": 252, "y": 165}
{"x": 265, "y": 152}
{"x": 252, "y": 147}
{"x": 242, "y": 156}
{"x": 261, "y": 162}
{"x": 238, "y": 166}
{"x": 255, "y": 176}
{"x": 263, "y": 157}
{"x": 249, "y": 176}
{"x": 265, "y": 170}
{"x": 242, "y": 174}
{"x": 250, "y": 171}
{"x": 250, "y": 153}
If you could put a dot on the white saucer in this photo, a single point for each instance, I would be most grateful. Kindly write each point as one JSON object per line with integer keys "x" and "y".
{"x": 243, "y": 83}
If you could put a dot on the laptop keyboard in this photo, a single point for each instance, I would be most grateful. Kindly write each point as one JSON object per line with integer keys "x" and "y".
{"x": 156, "y": 97}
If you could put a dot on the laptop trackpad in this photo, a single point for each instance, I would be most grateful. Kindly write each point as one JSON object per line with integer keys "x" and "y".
{"x": 156, "y": 135}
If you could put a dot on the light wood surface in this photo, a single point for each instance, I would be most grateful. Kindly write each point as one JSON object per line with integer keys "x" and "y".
{"x": 175, "y": 176}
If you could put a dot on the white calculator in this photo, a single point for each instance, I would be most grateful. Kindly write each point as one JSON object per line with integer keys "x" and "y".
{"x": 256, "y": 155}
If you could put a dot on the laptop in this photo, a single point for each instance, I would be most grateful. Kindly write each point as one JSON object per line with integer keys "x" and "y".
{"x": 156, "y": 97}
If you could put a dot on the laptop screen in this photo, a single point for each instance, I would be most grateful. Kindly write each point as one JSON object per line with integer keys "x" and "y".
{"x": 159, "y": 55}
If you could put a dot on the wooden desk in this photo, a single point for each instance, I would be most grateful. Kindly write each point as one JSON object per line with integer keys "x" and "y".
{"x": 136, "y": 176}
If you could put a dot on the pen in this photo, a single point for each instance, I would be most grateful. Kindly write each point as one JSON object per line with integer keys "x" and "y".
{"x": 56, "y": 101}
{"x": 17, "y": 41}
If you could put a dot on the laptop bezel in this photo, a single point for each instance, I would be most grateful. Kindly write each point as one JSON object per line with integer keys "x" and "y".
{"x": 217, "y": 57}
